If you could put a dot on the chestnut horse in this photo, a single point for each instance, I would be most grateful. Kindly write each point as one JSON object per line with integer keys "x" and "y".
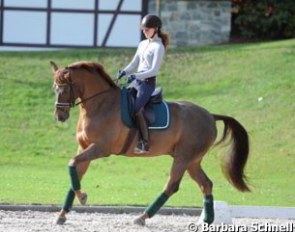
{"x": 100, "y": 133}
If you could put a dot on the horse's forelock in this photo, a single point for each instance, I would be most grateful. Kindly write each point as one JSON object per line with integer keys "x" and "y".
{"x": 62, "y": 76}
{"x": 90, "y": 66}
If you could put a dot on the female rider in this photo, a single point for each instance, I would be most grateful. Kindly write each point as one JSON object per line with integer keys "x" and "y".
{"x": 147, "y": 60}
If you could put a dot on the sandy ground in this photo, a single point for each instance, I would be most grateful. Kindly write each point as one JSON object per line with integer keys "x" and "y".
{"x": 25, "y": 221}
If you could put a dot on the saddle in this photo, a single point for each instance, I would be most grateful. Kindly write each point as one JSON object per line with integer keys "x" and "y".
{"x": 156, "y": 111}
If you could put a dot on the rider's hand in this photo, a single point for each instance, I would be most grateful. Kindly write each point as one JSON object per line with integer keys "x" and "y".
{"x": 130, "y": 79}
{"x": 120, "y": 74}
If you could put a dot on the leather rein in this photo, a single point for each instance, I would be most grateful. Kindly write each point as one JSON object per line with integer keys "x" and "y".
{"x": 72, "y": 102}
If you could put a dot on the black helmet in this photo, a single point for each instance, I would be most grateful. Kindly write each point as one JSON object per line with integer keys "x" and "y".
{"x": 151, "y": 21}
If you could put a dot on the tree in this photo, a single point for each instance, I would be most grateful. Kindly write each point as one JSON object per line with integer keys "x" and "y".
{"x": 265, "y": 19}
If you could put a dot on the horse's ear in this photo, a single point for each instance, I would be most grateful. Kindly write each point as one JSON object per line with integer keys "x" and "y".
{"x": 53, "y": 66}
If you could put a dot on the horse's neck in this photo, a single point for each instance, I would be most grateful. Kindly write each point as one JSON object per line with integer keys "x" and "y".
{"x": 93, "y": 85}
{"x": 101, "y": 97}
{"x": 101, "y": 110}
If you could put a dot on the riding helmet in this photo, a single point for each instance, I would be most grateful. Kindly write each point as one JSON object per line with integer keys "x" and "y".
{"x": 151, "y": 21}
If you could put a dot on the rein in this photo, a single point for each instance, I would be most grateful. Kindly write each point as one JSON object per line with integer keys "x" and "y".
{"x": 72, "y": 103}
{"x": 93, "y": 96}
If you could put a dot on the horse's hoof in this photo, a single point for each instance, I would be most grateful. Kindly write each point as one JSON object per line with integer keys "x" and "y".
{"x": 139, "y": 221}
{"x": 83, "y": 198}
{"x": 60, "y": 220}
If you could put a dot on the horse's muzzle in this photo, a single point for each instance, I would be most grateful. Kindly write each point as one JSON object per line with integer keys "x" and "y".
{"x": 61, "y": 116}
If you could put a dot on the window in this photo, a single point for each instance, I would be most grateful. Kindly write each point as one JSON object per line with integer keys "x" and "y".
{"x": 71, "y": 23}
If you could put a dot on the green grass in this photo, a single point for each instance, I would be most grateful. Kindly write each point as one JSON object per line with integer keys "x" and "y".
{"x": 225, "y": 79}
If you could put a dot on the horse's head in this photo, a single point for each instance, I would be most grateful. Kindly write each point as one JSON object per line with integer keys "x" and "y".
{"x": 65, "y": 92}
{"x": 68, "y": 86}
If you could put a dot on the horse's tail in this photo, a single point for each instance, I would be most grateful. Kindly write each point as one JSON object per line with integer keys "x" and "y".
{"x": 234, "y": 163}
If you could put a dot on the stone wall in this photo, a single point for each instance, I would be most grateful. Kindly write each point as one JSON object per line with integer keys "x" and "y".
{"x": 194, "y": 22}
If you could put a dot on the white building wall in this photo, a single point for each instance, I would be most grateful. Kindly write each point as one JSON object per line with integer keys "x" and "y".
{"x": 70, "y": 23}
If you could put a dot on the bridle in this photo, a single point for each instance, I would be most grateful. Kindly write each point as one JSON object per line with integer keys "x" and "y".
{"x": 71, "y": 103}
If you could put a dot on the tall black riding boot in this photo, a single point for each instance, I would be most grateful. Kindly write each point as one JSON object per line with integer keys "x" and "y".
{"x": 143, "y": 143}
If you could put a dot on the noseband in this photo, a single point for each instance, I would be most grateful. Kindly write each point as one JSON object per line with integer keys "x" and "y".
{"x": 71, "y": 102}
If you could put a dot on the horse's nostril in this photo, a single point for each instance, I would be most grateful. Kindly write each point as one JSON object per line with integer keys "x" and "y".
{"x": 61, "y": 116}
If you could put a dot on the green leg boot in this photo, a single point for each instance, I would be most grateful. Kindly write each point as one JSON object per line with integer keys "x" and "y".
{"x": 208, "y": 209}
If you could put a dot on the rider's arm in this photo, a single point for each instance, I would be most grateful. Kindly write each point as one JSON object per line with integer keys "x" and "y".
{"x": 134, "y": 62}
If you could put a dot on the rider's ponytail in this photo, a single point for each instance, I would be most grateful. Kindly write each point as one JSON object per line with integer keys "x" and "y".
{"x": 164, "y": 37}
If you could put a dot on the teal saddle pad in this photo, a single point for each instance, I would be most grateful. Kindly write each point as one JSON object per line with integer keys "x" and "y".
{"x": 161, "y": 117}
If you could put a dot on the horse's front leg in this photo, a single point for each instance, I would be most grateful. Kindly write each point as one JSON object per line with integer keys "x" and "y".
{"x": 81, "y": 169}
{"x": 77, "y": 168}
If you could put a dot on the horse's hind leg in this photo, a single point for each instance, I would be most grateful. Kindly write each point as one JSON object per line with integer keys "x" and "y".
{"x": 176, "y": 174}
{"x": 197, "y": 174}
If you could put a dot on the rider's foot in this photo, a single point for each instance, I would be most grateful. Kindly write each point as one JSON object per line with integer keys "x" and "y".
{"x": 142, "y": 147}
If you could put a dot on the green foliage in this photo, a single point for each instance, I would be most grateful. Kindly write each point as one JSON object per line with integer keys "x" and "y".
{"x": 252, "y": 82}
{"x": 290, "y": 28}
{"x": 267, "y": 19}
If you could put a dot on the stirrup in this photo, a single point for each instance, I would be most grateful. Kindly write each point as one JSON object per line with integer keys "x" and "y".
{"x": 142, "y": 147}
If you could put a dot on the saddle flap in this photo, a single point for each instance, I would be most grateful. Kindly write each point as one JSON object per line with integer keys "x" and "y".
{"x": 157, "y": 115}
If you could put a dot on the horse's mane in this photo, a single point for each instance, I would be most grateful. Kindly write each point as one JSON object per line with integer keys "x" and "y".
{"x": 92, "y": 66}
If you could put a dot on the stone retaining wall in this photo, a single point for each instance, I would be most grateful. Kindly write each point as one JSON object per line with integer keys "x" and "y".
{"x": 194, "y": 22}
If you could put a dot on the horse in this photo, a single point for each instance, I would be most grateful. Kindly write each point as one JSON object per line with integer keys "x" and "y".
{"x": 100, "y": 133}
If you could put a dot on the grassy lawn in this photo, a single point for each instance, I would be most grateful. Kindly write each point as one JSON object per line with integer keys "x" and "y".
{"x": 252, "y": 82}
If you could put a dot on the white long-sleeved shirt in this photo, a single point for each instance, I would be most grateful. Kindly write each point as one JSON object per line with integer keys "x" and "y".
{"x": 147, "y": 59}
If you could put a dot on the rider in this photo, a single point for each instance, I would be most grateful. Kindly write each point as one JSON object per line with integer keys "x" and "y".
{"x": 147, "y": 60}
